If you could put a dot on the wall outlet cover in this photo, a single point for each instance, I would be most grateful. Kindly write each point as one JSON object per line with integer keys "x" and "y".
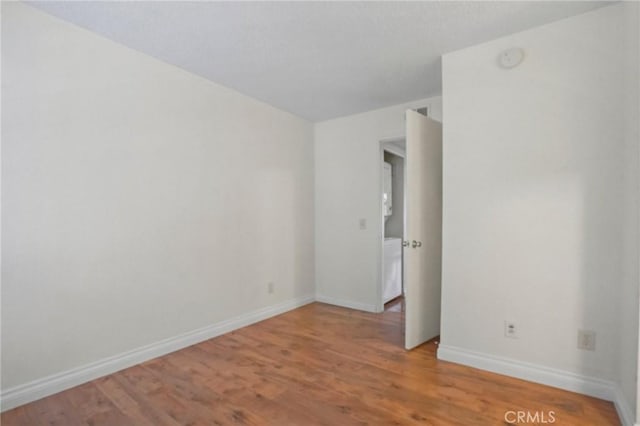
{"x": 510, "y": 330}
{"x": 587, "y": 340}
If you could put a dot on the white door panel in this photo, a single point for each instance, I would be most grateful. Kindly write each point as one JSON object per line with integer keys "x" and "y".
{"x": 423, "y": 263}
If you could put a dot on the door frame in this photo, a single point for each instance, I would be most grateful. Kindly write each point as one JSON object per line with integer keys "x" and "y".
{"x": 386, "y": 145}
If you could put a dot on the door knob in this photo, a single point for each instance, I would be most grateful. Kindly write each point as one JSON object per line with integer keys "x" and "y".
{"x": 405, "y": 244}
{"x": 416, "y": 244}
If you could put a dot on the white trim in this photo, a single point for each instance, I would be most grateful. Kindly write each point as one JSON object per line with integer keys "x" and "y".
{"x": 380, "y": 216}
{"x": 591, "y": 386}
{"x": 386, "y": 144}
{"x": 394, "y": 149}
{"x": 622, "y": 407}
{"x": 347, "y": 303}
{"x": 400, "y": 138}
{"x": 28, "y": 392}
{"x": 566, "y": 380}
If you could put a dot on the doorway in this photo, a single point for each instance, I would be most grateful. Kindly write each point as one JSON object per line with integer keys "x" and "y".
{"x": 392, "y": 214}
{"x": 420, "y": 238}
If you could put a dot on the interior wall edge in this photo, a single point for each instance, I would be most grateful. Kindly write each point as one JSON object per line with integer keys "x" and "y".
{"x": 367, "y": 307}
{"x": 623, "y": 406}
{"x": 40, "y": 388}
{"x": 591, "y": 386}
{"x": 566, "y": 380}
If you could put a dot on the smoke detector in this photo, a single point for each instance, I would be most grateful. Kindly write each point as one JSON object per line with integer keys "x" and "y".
{"x": 511, "y": 58}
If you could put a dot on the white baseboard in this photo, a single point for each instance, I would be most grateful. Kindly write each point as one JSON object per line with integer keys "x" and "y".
{"x": 585, "y": 385}
{"x": 28, "y": 392}
{"x": 347, "y": 303}
{"x": 622, "y": 406}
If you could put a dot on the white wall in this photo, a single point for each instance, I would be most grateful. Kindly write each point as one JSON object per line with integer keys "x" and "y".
{"x": 347, "y": 189}
{"x": 534, "y": 194}
{"x": 139, "y": 201}
{"x": 629, "y": 297}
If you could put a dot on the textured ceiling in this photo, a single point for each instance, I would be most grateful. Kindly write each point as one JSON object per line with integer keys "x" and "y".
{"x": 318, "y": 60}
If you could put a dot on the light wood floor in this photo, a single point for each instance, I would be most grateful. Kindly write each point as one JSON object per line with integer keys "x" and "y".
{"x": 317, "y": 365}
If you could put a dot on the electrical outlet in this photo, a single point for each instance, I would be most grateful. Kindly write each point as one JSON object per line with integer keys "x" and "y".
{"x": 271, "y": 287}
{"x": 587, "y": 340}
{"x": 510, "y": 330}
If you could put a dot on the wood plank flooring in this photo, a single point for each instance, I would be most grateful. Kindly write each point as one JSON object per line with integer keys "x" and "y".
{"x": 316, "y": 365}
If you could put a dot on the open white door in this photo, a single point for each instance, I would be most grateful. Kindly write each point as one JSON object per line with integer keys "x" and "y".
{"x": 423, "y": 254}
